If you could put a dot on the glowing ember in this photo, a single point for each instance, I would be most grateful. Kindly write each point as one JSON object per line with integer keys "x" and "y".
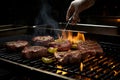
{"x": 74, "y": 39}
{"x": 60, "y": 71}
{"x": 118, "y": 20}
{"x": 115, "y": 72}
{"x": 81, "y": 66}
{"x": 59, "y": 66}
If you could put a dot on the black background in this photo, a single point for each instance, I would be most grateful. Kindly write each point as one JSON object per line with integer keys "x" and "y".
{"x": 26, "y": 11}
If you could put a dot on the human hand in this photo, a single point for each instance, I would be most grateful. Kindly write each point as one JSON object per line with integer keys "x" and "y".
{"x": 76, "y": 7}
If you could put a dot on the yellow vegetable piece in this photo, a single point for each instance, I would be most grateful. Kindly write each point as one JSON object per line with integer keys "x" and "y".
{"x": 52, "y": 50}
{"x": 74, "y": 46}
{"x": 47, "y": 60}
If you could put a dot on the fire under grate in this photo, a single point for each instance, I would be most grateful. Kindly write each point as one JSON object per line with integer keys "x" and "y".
{"x": 105, "y": 67}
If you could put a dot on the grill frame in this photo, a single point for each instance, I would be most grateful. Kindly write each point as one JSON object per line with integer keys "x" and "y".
{"x": 29, "y": 30}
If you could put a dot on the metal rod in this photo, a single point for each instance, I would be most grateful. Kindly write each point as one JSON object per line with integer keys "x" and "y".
{"x": 92, "y": 25}
{"x": 107, "y": 26}
{"x": 68, "y": 22}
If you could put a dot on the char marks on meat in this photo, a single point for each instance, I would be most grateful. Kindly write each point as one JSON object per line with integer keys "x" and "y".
{"x": 16, "y": 45}
{"x": 68, "y": 57}
{"x": 31, "y": 52}
{"x": 89, "y": 47}
{"x": 85, "y": 49}
{"x": 61, "y": 44}
{"x": 42, "y": 40}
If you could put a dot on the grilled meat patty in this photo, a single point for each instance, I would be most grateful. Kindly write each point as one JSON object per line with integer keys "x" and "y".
{"x": 89, "y": 47}
{"x": 61, "y": 44}
{"x": 31, "y": 52}
{"x": 68, "y": 57}
{"x": 42, "y": 40}
{"x": 16, "y": 45}
{"x": 85, "y": 49}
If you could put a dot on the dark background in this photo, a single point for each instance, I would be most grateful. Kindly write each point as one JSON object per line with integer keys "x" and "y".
{"x": 26, "y": 11}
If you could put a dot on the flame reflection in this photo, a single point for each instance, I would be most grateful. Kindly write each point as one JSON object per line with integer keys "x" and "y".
{"x": 81, "y": 66}
{"x": 59, "y": 71}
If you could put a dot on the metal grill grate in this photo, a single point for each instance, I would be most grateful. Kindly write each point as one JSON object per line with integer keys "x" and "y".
{"x": 94, "y": 67}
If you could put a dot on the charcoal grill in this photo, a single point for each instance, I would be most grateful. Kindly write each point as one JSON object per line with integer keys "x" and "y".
{"x": 106, "y": 67}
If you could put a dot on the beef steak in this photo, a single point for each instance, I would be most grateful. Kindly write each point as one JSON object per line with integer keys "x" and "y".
{"x": 42, "y": 40}
{"x": 61, "y": 44}
{"x": 84, "y": 49}
{"x": 16, "y": 45}
{"x": 32, "y": 52}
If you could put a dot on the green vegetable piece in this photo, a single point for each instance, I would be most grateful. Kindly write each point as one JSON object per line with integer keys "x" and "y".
{"x": 52, "y": 50}
{"x": 47, "y": 60}
{"x": 74, "y": 46}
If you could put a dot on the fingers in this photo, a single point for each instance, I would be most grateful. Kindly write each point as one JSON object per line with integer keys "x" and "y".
{"x": 76, "y": 7}
{"x": 75, "y": 17}
{"x": 70, "y": 12}
{"x": 74, "y": 13}
{"x": 75, "y": 20}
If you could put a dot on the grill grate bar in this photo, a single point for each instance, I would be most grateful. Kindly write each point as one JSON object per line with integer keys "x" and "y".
{"x": 94, "y": 67}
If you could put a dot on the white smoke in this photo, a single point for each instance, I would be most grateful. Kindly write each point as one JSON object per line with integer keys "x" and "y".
{"x": 44, "y": 16}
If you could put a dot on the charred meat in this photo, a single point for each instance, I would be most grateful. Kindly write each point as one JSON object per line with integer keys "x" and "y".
{"x": 85, "y": 49}
{"x": 61, "y": 44}
{"x": 16, "y": 45}
{"x": 42, "y": 40}
{"x": 89, "y": 47}
{"x": 68, "y": 57}
{"x": 32, "y": 52}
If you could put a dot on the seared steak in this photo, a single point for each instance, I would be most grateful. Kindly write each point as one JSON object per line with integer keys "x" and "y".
{"x": 16, "y": 45}
{"x": 85, "y": 49}
{"x": 42, "y": 40}
{"x": 89, "y": 48}
{"x": 61, "y": 44}
{"x": 31, "y": 52}
{"x": 68, "y": 57}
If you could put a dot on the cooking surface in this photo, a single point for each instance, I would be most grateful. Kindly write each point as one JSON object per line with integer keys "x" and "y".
{"x": 100, "y": 67}
{"x": 94, "y": 67}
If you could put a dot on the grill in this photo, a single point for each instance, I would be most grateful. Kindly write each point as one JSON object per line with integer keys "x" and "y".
{"x": 106, "y": 67}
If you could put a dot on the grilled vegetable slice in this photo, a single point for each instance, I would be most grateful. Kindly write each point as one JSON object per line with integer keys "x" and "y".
{"x": 47, "y": 60}
{"x": 52, "y": 50}
{"x": 74, "y": 46}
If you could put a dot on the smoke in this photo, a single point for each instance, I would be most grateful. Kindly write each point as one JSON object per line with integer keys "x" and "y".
{"x": 44, "y": 16}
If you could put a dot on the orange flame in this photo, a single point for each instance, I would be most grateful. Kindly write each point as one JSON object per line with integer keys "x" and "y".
{"x": 81, "y": 66}
{"x": 74, "y": 39}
